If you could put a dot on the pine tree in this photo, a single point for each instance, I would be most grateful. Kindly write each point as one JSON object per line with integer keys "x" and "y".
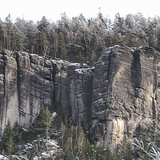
{"x": 17, "y": 134}
{"x": 7, "y": 142}
{"x": 62, "y": 45}
{"x": 31, "y": 35}
{"x": 47, "y": 120}
{"x": 42, "y": 43}
{"x": 8, "y": 28}
{"x": 44, "y": 123}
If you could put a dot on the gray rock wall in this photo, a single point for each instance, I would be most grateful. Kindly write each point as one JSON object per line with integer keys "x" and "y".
{"x": 125, "y": 95}
{"x": 28, "y": 83}
{"x": 9, "y": 92}
{"x": 116, "y": 99}
{"x": 81, "y": 83}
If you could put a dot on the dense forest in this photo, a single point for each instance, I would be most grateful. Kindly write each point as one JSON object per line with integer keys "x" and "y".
{"x": 78, "y": 39}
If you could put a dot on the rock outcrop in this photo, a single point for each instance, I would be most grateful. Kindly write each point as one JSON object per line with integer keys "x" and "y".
{"x": 125, "y": 94}
{"x": 81, "y": 83}
{"x": 26, "y": 86}
{"x": 116, "y": 99}
{"x": 29, "y": 82}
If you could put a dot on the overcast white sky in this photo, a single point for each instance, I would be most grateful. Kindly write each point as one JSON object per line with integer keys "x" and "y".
{"x": 35, "y": 9}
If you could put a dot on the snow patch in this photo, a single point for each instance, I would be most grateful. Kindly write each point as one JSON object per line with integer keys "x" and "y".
{"x": 45, "y": 155}
{"x": 15, "y": 157}
{"x": 132, "y": 50}
{"x": 54, "y": 114}
{"x": 24, "y": 129}
{"x": 75, "y": 64}
{"x": 35, "y": 158}
{"x": 108, "y": 50}
{"x": 84, "y": 70}
{"x": 3, "y": 157}
{"x": 80, "y": 71}
{"x": 100, "y": 101}
{"x": 80, "y": 65}
{"x": 100, "y": 94}
{"x": 52, "y": 142}
{"x": 140, "y": 47}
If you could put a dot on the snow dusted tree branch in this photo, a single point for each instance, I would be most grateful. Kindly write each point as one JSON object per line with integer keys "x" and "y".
{"x": 152, "y": 151}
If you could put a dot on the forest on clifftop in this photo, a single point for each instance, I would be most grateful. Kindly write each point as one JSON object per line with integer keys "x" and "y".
{"x": 78, "y": 39}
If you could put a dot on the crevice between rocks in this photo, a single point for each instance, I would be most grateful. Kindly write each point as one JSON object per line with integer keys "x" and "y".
{"x": 136, "y": 75}
{"x": 108, "y": 100}
{"x": 3, "y": 106}
{"x": 4, "y": 73}
{"x": 54, "y": 67}
{"x": 109, "y": 76}
{"x": 18, "y": 80}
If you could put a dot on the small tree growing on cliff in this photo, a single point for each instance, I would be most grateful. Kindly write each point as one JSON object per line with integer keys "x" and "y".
{"x": 44, "y": 123}
{"x": 47, "y": 120}
{"x": 17, "y": 135}
{"x": 7, "y": 143}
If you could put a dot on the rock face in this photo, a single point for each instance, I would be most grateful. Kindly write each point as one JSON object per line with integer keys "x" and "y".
{"x": 81, "y": 83}
{"x": 26, "y": 86}
{"x": 125, "y": 94}
{"x": 28, "y": 83}
{"x": 116, "y": 99}
{"x": 8, "y": 91}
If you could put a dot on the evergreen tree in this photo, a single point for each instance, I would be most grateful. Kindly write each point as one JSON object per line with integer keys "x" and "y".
{"x": 31, "y": 35}
{"x": 47, "y": 120}
{"x": 43, "y": 25}
{"x": 44, "y": 123}
{"x": 62, "y": 45}
{"x": 77, "y": 146}
{"x": 7, "y": 143}
{"x": 17, "y": 134}
{"x": 8, "y": 29}
{"x": 42, "y": 43}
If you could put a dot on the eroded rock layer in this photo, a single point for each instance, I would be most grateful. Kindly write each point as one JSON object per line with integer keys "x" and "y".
{"x": 29, "y": 82}
{"x": 125, "y": 94}
{"x": 116, "y": 99}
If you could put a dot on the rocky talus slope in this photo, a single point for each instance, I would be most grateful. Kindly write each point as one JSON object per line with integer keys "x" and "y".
{"x": 117, "y": 97}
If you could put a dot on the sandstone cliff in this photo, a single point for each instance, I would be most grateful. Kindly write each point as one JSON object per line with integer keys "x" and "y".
{"x": 117, "y": 98}
{"x": 125, "y": 94}
{"x": 28, "y": 83}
